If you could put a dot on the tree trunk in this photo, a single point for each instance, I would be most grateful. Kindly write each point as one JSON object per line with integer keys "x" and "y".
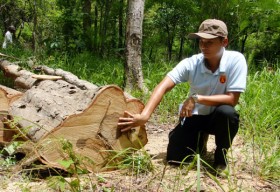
{"x": 105, "y": 26}
{"x": 34, "y": 33}
{"x": 95, "y": 32}
{"x": 243, "y": 41}
{"x": 182, "y": 40}
{"x": 133, "y": 65}
{"x": 121, "y": 35}
{"x": 69, "y": 109}
{"x": 87, "y": 23}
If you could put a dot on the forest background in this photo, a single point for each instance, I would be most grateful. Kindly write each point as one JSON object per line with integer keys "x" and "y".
{"x": 87, "y": 38}
{"x": 58, "y": 27}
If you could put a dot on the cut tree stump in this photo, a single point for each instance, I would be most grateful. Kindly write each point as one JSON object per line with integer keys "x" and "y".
{"x": 52, "y": 111}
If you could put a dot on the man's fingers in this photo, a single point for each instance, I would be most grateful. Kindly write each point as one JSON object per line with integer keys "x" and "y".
{"x": 126, "y": 113}
{"x": 128, "y": 121}
{"x": 125, "y": 119}
{"x": 125, "y": 126}
{"x": 126, "y": 129}
{"x": 186, "y": 113}
{"x": 189, "y": 113}
{"x": 182, "y": 113}
{"x": 124, "y": 123}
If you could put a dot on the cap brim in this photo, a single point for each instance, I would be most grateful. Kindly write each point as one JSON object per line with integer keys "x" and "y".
{"x": 201, "y": 35}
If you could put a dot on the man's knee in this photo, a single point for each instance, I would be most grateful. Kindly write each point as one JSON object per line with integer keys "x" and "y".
{"x": 226, "y": 110}
{"x": 178, "y": 153}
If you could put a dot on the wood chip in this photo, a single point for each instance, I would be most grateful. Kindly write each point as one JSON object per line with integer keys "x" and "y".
{"x": 47, "y": 77}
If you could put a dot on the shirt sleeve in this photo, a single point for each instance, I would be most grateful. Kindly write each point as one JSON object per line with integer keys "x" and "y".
{"x": 182, "y": 72}
{"x": 237, "y": 74}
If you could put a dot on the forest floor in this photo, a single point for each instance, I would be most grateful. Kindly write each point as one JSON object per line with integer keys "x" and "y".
{"x": 241, "y": 175}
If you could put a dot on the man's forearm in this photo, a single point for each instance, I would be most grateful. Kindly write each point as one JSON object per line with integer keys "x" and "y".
{"x": 165, "y": 85}
{"x": 223, "y": 99}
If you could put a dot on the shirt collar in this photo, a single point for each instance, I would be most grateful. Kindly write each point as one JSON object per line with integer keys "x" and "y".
{"x": 222, "y": 67}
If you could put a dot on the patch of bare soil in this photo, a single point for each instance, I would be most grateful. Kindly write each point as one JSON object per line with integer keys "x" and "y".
{"x": 241, "y": 175}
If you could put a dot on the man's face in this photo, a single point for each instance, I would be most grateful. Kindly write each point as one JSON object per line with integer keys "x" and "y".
{"x": 212, "y": 47}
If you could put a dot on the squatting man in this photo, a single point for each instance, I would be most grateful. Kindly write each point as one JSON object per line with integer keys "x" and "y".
{"x": 216, "y": 77}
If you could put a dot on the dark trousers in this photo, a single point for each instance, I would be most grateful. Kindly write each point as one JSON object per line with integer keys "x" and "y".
{"x": 189, "y": 138}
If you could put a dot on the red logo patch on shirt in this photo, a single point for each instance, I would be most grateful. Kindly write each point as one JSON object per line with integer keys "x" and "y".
{"x": 223, "y": 79}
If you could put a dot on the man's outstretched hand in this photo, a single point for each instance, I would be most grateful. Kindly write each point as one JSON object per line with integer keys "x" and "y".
{"x": 131, "y": 120}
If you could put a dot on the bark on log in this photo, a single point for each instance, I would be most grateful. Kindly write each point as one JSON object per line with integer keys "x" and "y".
{"x": 73, "y": 110}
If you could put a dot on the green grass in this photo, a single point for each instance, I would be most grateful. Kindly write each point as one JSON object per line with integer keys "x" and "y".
{"x": 260, "y": 112}
{"x": 137, "y": 161}
{"x": 88, "y": 67}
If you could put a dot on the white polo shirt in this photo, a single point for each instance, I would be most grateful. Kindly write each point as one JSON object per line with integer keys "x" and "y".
{"x": 229, "y": 77}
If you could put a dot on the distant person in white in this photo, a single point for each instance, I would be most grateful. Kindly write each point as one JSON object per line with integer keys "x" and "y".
{"x": 8, "y": 37}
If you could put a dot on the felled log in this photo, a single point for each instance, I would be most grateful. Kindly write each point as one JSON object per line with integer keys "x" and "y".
{"x": 50, "y": 112}
{"x": 25, "y": 79}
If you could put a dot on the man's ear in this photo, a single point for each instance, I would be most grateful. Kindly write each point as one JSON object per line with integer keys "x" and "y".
{"x": 225, "y": 42}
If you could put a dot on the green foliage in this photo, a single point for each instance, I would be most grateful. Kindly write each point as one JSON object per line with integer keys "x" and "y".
{"x": 9, "y": 153}
{"x": 170, "y": 23}
{"x": 89, "y": 67}
{"x": 258, "y": 22}
{"x": 260, "y": 120}
{"x": 57, "y": 183}
{"x": 70, "y": 21}
{"x": 16, "y": 54}
{"x": 10, "y": 149}
{"x": 66, "y": 27}
{"x": 73, "y": 164}
{"x": 137, "y": 161}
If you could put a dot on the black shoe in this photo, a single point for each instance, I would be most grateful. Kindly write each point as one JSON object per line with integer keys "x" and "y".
{"x": 185, "y": 161}
{"x": 221, "y": 170}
